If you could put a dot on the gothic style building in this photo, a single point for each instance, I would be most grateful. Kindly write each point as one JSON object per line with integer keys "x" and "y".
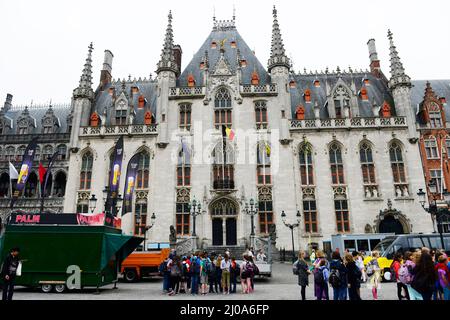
{"x": 339, "y": 147}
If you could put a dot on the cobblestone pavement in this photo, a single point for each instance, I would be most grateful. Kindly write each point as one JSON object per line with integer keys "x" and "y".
{"x": 281, "y": 286}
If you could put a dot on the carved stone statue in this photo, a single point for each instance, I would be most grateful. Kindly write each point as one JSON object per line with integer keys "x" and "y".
{"x": 172, "y": 235}
{"x": 398, "y": 192}
{"x": 375, "y": 193}
{"x": 405, "y": 191}
{"x": 368, "y": 195}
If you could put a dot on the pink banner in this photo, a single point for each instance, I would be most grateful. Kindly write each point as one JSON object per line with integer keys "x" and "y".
{"x": 91, "y": 220}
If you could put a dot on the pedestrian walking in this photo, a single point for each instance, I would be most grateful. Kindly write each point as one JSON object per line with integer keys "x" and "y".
{"x": 321, "y": 276}
{"x": 425, "y": 276}
{"x": 395, "y": 268}
{"x": 374, "y": 273}
{"x": 204, "y": 267}
{"x": 234, "y": 272}
{"x": 225, "y": 265}
{"x": 353, "y": 277}
{"x": 9, "y": 273}
{"x": 165, "y": 272}
{"x": 443, "y": 276}
{"x": 302, "y": 271}
{"x": 338, "y": 277}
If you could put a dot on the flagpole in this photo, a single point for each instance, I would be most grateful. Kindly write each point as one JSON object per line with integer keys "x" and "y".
{"x": 223, "y": 154}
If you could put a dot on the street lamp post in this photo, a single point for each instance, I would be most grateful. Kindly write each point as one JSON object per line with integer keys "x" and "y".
{"x": 291, "y": 226}
{"x": 252, "y": 211}
{"x": 195, "y": 209}
{"x": 116, "y": 205}
{"x": 437, "y": 210}
{"x": 145, "y": 228}
{"x": 92, "y": 203}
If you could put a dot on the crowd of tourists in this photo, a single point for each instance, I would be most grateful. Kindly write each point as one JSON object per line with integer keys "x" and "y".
{"x": 204, "y": 273}
{"x": 420, "y": 275}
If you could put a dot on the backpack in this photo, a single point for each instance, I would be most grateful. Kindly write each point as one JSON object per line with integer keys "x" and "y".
{"x": 195, "y": 267}
{"x": 404, "y": 274}
{"x": 163, "y": 267}
{"x": 370, "y": 269}
{"x": 318, "y": 277}
{"x": 295, "y": 268}
{"x": 250, "y": 268}
{"x": 335, "y": 278}
{"x": 175, "y": 271}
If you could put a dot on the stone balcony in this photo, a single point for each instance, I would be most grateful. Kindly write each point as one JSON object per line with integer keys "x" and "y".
{"x": 131, "y": 129}
{"x": 187, "y": 92}
{"x": 259, "y": 90}
{"x": 349, "y": 123}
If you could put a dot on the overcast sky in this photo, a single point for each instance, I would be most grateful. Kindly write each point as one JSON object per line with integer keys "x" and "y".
{"x": 44, "y": 43}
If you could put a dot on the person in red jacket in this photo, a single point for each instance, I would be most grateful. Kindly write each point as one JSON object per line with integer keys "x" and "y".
{"x": 396, "y": 264}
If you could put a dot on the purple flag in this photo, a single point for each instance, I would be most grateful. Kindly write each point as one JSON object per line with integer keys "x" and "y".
{"x": 130, "y": 182}
{"x": 116, "y": 167}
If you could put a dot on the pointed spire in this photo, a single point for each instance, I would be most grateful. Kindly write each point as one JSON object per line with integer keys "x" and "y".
{"x": 277, "y": 53}
{"x": 398, "y": 76}
{"x": 167, "y": 61}
{"x": 84, "y": 89}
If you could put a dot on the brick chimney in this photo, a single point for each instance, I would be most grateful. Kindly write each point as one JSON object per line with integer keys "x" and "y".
{"x": 105, "y": 74}
{"x": 8, "y": 102}
{"x": 373, "y": 56}
{"x": 177, "y": 52}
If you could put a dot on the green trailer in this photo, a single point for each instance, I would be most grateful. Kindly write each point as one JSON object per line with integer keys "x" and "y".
{"x": 52, "y": 252}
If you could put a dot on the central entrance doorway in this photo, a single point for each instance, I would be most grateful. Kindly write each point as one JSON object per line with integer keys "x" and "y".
{"x": 224, "y": 222}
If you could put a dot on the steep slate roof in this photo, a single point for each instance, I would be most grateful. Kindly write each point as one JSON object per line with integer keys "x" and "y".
{"x": 217, "y": 35}
{"x": 440, "y": 87}
{"x": 376, "y": 90}
{"x": 104, "y": 100}
{"x": 37, "y": 113}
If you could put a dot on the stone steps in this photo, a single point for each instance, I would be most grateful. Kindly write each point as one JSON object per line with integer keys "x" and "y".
{"x": 235, "y": 251}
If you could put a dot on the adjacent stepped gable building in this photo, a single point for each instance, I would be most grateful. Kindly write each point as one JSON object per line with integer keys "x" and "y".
{"x": 51, "y": 124}
{"x": 340, "y": 147}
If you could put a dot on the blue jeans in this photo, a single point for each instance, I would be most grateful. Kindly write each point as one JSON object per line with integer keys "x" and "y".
{"x": 166, "y": 281}
{"x": 194, "y": 286}
{"x": 446, "y": 294}
{"x": 340, "y": 293}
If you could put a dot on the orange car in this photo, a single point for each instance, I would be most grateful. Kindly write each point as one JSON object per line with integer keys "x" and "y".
{"x": 141, "y": 264}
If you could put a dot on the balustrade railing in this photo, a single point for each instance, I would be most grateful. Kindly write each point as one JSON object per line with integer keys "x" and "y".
{"x": 348, "y": 123}
{"x": 118, "y": 130}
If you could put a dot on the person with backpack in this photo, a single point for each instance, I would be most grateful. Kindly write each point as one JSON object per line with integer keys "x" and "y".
{"x": 353, "y": 277}
{"x": 184, "y": 273}
{"x": 225, "y": 266}
{"x": 175, "y": 275}
{"x": 425, "y": 276}
{"x": 244, "y": 274}
{"x": 395, "y": 269}
{"x": 251, "y": 270}
{"x": 204, "y": 265}
{"x": 165, "y": 272}
{"x": 338, "y": 277}
{"x": 301, "y": 269}
{"x": 211, "y": 270}
{"x": 234, "y": 271}
{"x": 406, "y": 273}
{"x": 443, "y": 274}
{"x": 316, "y": 264}
{"x": 321, "y": 276}
{"x": 195, "y": 274}
{"x": 374, "y": 273}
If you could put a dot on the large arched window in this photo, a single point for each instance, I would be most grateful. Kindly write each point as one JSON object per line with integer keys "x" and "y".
{"x": 184, "y": 168}
{"x": 4, "y": 185}
{"x": 86, "y": 171}
{"x": 143, "y": 171}
{"x": 367, "y": 164}
{"x": 222, "y": 105}
{"x": 397, "y": 164}
{"x": 306, "y": 165}
{"x": 10, "y": 153}
{"x": 223, "y": 169}
{"x": 263, "y": 159}
{"x": 31, "y": 186}
{"x": 59, "y": 188}
{"x": 337, "y": 165}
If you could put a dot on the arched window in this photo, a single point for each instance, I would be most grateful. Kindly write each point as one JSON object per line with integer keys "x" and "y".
{"x": 184, "y": 168}
{"x": 4, "y": 185}
{"x": 47, "y": 152}
{"x": 367, "y": 164}
{"x": 62, "y": 152}
{"x": 59, "y": 189}
{"x": 20, "y": 152}
{"x": 37, "y": 154}
{"x": 397, "y": 165}
{"x": 143, "y": 171}
{"x": 261, "y": 114}
{"x": 431, "y": 148}
{"x": 31, "y": 186}
{"x": 185, "y": 116}
{"x": 10, "y": 153}
{"x": 337, "y": 165}
{"x": 86, "y": 171}
{"x": 223, "y": 169}
{"x": 306, "y": 165}
{"x": 222, "y": 104}
{"x": 263, "y": 159}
